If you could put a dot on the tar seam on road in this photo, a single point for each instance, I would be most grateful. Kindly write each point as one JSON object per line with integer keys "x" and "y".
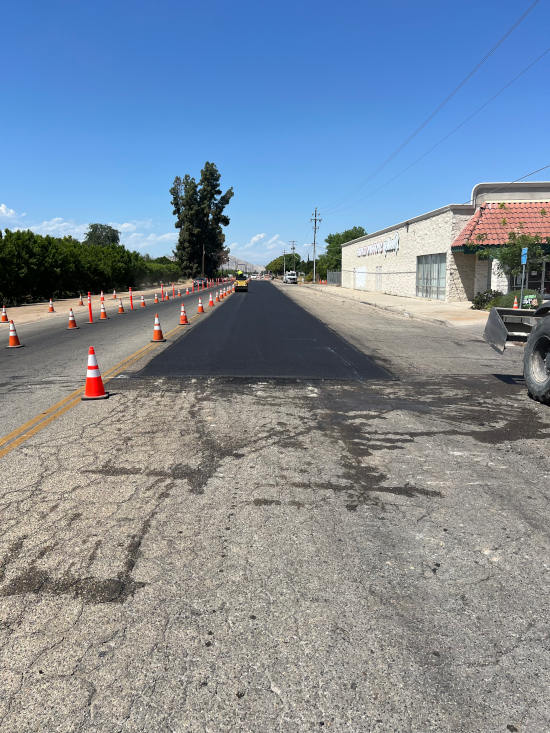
{"x": 39, "y": 422}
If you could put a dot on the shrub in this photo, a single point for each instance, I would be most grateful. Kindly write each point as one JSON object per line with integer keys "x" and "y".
{"x": 483, "y": 299}
{"x": 507, "y": 301}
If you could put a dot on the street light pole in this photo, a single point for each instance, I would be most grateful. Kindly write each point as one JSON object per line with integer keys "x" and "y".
{"x": 315, "y": 219}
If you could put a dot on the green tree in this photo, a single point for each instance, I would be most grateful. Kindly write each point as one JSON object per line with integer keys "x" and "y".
{"x": 101, "y": 234}
{"x": 199, "y": 211}
{"x": 508, "y": 256}
{"x": 276, "y": 266}
{"x": 332, "y": 258}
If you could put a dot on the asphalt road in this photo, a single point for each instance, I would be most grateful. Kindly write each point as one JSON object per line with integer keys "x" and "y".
{"x": 263, "y": 333}
{"x": 212, "y": 553}
{"x": 53, "y": 361}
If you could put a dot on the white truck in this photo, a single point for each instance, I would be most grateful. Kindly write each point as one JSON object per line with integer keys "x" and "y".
{"x": 290, "y": 277}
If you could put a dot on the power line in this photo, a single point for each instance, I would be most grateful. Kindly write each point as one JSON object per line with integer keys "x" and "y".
{"x": 339, "y": 209}
{"x": 442, "y": 104}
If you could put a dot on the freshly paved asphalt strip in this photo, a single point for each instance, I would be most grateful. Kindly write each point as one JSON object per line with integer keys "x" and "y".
{"x": 263, "y": 333}
{"x": 52, "y": 363}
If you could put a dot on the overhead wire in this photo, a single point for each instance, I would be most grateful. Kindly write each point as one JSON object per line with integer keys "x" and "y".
{"x": 438, "y": 108}
{"x": 455, "y": 129}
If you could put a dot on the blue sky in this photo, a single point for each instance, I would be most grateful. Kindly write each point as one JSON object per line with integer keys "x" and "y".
{"x": 298, "y": 104}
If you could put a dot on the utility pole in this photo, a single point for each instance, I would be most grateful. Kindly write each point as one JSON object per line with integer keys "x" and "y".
{"x": 293, "y": 248}
{"x": 315, "y": 218}
{"x": 284, "y": 264}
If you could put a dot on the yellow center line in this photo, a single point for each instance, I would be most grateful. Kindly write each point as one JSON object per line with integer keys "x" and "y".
{"x": 39, "y": 422}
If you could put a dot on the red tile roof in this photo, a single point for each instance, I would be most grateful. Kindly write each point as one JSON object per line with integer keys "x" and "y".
{"x": 492, "y": 223}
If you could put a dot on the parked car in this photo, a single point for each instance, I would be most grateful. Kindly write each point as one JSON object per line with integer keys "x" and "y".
{"x": 290, "y": 277}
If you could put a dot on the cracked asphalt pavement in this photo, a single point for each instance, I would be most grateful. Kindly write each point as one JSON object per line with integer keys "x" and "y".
{"x": 252, "y": 553}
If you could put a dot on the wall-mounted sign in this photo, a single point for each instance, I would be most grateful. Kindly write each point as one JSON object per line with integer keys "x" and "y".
{"x": 378, "y": 248}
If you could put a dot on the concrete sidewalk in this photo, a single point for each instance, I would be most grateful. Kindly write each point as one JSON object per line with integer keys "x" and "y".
{"x": 435, "y": 311}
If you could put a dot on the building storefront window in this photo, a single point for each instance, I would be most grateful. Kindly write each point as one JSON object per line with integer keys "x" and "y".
{"x": 430, "y": 276}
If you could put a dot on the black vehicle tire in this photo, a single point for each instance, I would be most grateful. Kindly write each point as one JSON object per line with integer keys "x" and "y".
{"x": 536, "y": 362}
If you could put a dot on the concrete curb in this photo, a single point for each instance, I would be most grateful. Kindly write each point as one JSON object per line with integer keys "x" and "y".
{"x": 400, "y": 311}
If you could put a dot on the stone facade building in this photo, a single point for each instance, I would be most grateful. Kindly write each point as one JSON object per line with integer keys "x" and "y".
{"x": 436, "y": 255}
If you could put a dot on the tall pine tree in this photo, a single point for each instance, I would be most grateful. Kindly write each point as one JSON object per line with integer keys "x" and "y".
{"x": 198, "y": 209}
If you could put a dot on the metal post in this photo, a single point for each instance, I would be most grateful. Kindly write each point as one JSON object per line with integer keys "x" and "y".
{"x": 522, "y": 283}
{"x": 284, "y": 264}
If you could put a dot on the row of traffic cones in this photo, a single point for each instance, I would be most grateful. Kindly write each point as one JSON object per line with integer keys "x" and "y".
{"x": 14, "y": 342}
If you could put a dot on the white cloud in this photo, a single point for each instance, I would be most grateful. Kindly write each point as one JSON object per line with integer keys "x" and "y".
{"x": 152, "y": 243}
{"x": 253, "y": 241}
{"x": 6, "y": 213}
{"x": 60, "y": 227}
{"x": 132, "y": 226}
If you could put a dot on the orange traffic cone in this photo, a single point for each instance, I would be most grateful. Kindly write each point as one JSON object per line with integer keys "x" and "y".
{"x": 72, "y": 320}
{"x": 94, "y": 389}
{"x": 183, "y": 316}
{"x": 179, "y": 293}
{"x": 103, "y": 314}
{"x": 14, "y": 342}
{"x": 142, "y": 304}
{"x": 157, "y": 330}
{"x": 515, "y": 306}
{"x": 120, "y": 306}
{"x": 114, "y": 294}
{"x": 4, "y": 318}
{"x": 217, "y": 296}
{"x": 167, "y": 297}
{"x": 200, "y": 309}
{"x": 211, "y": 301}
{"x": 80, "y": 302}
{"x": 156, "y": 300}
{"x": 102, "y": 297}
{"x": 187, "y": 291}
{"x": 50, "y": 309}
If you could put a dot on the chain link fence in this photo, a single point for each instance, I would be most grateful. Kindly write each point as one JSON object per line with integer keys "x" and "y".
{"x": 334, "y": 278}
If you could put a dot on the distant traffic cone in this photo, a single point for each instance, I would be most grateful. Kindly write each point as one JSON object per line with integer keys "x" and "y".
{"x": 94, "y": 389}
{"x": 515, "y": 306}
{"x": 142, "y": 304}
{"x": 217, "y": 296}
{"x": 4, "y": 318}
{"x": 14, "y": 342}
{"x": 211, "y": 301}
{"x": 50, "y": 309}
{"x": 80, "y": 302}
{"x": 120, "y": 306}
{"x": 114, "y": 294}
{"x": 102, "y": 297}
{"x": 179, "y": 293}
{"x": 103, "y": 314}
{"x": 156, "y": 300}
{"x": 183, "y": 316}
{"x": 157, "y": 330}
{"x": 167, "y": 297}
{"x": 72, "y": 320}
{"x": 186, "y": 291}
{"x": 200, "y": 309}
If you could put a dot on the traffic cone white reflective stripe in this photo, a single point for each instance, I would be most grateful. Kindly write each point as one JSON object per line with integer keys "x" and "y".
{"x": 515, "y": 306}
{"x": 94, "y": 389}
{"x": 103, "y": 314}
{"x": 200, "y": 309}
{"x": 50, "y": 309}
{"x": 4, "y": 318}
{"x": 157, "y": 330}
{"x": 120, "y": 306}
{"x": 72, "y": 320}
{"x": 142, "y": 304}
{"x": 13, "y": 342}
{"x": 183, "y": 316}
